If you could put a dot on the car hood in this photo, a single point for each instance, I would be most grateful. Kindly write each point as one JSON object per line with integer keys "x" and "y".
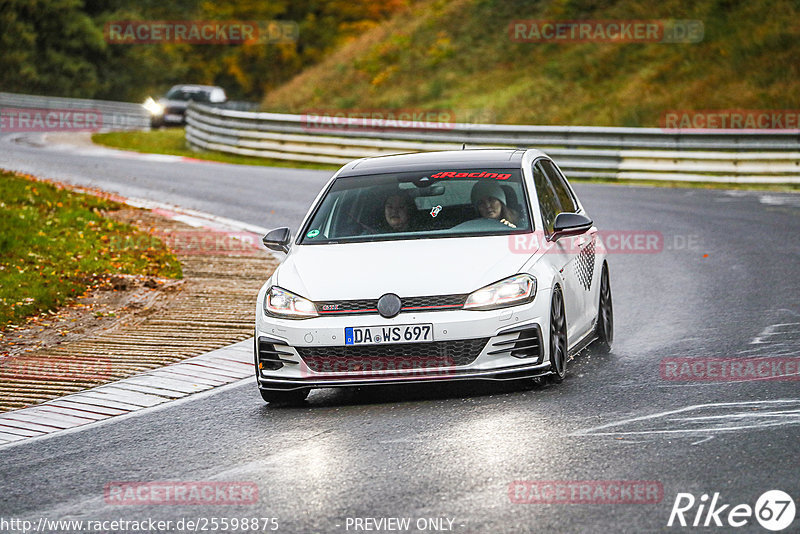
{"x": 407, "y": 268}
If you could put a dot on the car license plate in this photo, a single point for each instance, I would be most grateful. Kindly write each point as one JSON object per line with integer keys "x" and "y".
{"x": 374, "y": 335}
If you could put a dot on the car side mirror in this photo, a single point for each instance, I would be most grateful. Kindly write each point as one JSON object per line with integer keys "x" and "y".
{"x": 278, "y": 239}
{"x": 567, "y": 224}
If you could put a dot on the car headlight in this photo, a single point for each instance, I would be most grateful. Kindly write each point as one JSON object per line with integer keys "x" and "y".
{"x": 513, "y": 291}
{"x": 282, "y": 303}
{"x": 153, "y": 107}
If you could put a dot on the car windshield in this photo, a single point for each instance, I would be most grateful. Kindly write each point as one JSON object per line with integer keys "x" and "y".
{"x": 195, "y": 95}
{"x": 418, "y": 205}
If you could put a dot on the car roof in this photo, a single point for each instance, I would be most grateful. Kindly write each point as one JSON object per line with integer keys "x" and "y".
{"x": 488, "y": 158}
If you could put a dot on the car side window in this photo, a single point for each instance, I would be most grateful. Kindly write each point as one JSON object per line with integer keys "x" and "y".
{"x": 565, "y": 199}
{"x": 548, "y": 201}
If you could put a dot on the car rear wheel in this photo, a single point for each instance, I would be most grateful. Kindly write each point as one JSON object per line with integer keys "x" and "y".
{"x": 605, "y": 314}
{"x": 558, "y": 337}
{"x": 295, "y": 396}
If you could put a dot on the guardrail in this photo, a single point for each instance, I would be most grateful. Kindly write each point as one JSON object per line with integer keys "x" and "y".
{"x": 112, "y": 115}
{"x": 768, "y": 156}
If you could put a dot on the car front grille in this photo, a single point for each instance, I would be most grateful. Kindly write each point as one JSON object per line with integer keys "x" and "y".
{"x": 409, "y": 304}
{"x": 401, "y": 358}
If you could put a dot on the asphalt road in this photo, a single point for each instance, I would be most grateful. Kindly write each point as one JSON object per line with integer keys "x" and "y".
{"x": 725, "y": 286}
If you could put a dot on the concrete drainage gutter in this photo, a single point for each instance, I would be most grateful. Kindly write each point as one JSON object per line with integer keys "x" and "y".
{"x": 145, "y": 390}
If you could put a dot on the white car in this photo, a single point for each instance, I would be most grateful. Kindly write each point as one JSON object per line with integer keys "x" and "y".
{"x": 458, "y": 265}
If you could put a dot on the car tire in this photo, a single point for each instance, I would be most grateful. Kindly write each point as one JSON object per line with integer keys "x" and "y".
{"x": 295, "y": 396}
{"x": 558, "y": 337}
{"x": 605, "y": 314}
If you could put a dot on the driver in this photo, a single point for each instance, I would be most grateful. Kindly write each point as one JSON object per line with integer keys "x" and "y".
{"x": 490, "y": 201}
{"x": 397, "y": 211}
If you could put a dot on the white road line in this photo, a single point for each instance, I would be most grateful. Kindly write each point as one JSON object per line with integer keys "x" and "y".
{"x": 788, "y": 418}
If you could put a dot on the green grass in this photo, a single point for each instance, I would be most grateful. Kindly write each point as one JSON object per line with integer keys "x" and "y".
{"x": 457, "y": 55}
{"x": 172, "y": 141}
{"x": 54, "y": 244}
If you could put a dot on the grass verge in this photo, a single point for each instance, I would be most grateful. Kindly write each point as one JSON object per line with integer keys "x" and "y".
{"x": 55, "y": 244}
{"x": 172, "y": 141}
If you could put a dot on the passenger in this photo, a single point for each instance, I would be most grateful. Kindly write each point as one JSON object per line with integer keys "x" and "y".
{"x": 398, "y": 210}
{"x": 490, "y": 201}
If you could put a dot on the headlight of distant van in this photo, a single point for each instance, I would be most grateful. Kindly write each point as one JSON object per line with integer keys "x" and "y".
{"x": 513, "y": 291}
{"x": 281, "y": 303}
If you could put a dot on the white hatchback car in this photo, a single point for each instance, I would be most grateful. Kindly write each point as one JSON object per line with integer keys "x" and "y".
{"x": 459, "y": 265}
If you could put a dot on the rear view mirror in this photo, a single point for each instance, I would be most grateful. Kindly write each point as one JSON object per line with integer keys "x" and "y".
{"x": 431, "y": 191}
{"x": 278, "y": 239}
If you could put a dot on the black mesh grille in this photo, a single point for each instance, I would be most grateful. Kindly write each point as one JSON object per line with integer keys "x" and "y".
{"x": 584, "y": 265}
{"x": 399, "y": 357}
{"x": 437, "y": 301}
{"x": 365, "y": 306}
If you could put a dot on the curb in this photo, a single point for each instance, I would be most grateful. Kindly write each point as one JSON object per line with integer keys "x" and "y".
{"x": 152, "y": 388}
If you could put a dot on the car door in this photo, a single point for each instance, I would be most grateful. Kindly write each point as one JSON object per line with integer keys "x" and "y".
{"x": 557, "y": 253}
{"x": 580, "y": 272}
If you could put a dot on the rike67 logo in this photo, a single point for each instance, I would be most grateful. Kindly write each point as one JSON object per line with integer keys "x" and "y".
{"x": 774, "y": 510}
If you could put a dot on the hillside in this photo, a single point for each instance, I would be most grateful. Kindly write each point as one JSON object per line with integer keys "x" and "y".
{"x": 458, "y": 55}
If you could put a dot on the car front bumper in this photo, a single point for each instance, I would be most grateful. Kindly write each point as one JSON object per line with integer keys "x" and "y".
{"x": 507, "y": 344}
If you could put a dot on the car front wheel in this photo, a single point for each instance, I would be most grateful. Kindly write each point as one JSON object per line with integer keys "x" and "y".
{"x": 605, "y": 314}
